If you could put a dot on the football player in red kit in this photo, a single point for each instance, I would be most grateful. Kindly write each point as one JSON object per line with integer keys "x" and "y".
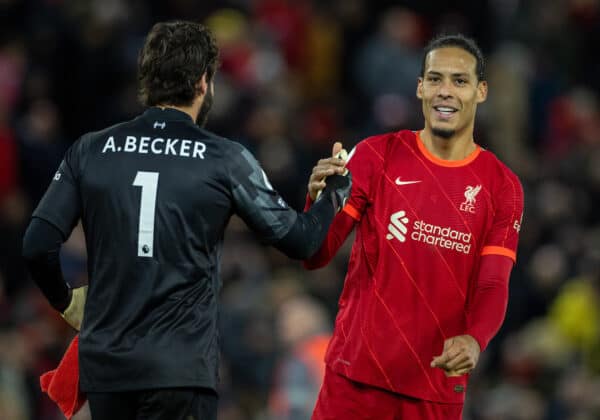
{"x": 437, "y": 221}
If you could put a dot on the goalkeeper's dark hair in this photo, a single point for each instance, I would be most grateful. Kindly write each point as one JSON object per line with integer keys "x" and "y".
{"x": 174, "y": 57}
{"x": 458, "y": 41}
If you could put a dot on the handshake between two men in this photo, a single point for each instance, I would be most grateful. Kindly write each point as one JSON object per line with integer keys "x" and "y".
{"x": 330, "y": 175}
{"x": 329, "y": 179}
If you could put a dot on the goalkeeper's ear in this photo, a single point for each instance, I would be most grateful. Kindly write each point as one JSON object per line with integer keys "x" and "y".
{"x": 74, "y": 312}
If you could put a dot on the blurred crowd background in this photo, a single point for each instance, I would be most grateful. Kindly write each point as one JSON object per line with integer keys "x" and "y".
{"x": 295, "y": 76}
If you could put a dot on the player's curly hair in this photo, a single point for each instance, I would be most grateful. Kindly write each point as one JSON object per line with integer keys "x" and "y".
{"x": 174, "y": 57}
{"x": 459, "y": 41}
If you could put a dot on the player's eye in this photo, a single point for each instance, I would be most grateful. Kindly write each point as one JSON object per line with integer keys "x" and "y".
{"x": 433, "y": 79}
{"x": 461, "y": 82}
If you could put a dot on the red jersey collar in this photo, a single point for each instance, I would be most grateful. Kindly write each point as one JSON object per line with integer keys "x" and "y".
{"x": 442, "y": 162}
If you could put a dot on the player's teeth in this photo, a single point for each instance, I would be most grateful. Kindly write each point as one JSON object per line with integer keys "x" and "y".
{"x": 442, "y": 109}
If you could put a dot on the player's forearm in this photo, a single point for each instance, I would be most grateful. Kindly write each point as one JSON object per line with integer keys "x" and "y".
{"x": 310, "y": 229}
{"x": 488, "y": 307}
{"x": 318, "y": 259}
{"x": 308, "y": 232}
{"x": 340, "y": 228}
{"x": 41, "y": 246}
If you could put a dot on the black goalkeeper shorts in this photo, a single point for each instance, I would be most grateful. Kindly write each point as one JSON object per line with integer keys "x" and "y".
{"x": 155, "y": 404}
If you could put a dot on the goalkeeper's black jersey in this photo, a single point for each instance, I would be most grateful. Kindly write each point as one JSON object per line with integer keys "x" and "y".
{"x": 154, "y": 196}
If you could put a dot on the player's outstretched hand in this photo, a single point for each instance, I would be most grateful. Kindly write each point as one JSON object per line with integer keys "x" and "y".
{"x": 460, "y": 355}
{"x": 74, "y": 312}
{"x": 335, "y": 165}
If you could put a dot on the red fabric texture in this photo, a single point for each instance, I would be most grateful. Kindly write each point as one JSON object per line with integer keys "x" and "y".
{"x": 62, "y": 383}
{"x": 490, "y": 299}
{"x": 341, "y": 398}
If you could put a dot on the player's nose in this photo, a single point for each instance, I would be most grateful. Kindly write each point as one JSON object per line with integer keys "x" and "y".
{"x": 445, "y": 89}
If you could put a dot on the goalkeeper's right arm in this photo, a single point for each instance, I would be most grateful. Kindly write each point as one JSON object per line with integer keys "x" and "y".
{"x": 41, "y": 247}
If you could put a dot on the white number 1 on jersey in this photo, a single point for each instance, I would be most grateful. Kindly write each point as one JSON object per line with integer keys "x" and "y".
{"x": 149, "y": 183}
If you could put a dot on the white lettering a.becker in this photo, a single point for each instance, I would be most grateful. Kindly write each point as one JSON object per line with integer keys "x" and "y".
{"x": 110, "y": 144}
{"x": 156, "y": 146}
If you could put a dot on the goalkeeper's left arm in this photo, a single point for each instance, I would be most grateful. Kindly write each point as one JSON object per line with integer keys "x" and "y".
{"x": 41, "y": 247}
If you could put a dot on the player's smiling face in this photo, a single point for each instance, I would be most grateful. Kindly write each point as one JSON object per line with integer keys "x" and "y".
{"x": 450, "y": 91}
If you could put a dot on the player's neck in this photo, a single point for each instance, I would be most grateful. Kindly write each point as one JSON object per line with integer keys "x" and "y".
{"x": 457, "y": 147}
{"x": 192, "y": 110}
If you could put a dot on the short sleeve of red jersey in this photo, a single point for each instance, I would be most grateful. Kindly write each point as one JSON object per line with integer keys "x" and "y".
{"x": 363, "y": 162}
{"x": 508, "y": 214}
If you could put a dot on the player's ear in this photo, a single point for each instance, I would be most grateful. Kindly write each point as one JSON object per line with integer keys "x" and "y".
{"x": 482, "y": 91}
{"x": 420, "y": 88}
{"x": 202, "y": 85}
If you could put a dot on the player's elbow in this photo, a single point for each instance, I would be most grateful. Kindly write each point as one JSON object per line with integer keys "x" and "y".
{"x": 31, "y": 249}
{"x": 41, "y": 239}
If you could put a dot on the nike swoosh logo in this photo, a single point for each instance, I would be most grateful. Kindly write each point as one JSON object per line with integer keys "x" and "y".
{"x": 399, "y": 182}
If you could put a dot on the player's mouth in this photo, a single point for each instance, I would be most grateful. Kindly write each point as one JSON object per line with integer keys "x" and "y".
{"x": 444, "y": 112}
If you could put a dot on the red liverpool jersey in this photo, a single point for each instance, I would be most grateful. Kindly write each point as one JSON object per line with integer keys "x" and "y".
{"x": 422, "y": 224}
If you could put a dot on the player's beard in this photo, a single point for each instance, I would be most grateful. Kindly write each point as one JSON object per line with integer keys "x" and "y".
{"x": 443, "y": 133}
{"x": 205, "y": 109}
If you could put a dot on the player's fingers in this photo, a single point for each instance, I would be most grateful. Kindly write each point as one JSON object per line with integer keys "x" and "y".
{"x": 331, "y": 160}
{"x": 329, "y": 169}
{"x": 320, "y": 174}
{"x": 439, "y": 361}
{"x": 463, "y": 371}
{"x": 337, "y": 148}
{"x": 467, "y": 363}
{"x": 457, "y": 372}
{"x": 452, "y": 373}
{"x": 458, "y": 361}
{"x": 450, "y": 352}
{"x": 448, "y": 343}
{"x": 317, "y": 178}
{"x": 314, "y": 188}
{"x": 332, "y": 163}
{"x": 319, "y": 168}
{"x": 318, "y": 185}
{"x": 336, "y": 161}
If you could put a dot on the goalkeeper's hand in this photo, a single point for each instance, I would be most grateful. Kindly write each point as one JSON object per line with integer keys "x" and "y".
{"x": 74, "y": 312}
{"x": 337, "y": 190}
{"x": 335, "y": 165}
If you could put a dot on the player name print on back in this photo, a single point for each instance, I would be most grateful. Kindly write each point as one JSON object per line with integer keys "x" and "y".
{"x": 157, "y": 146}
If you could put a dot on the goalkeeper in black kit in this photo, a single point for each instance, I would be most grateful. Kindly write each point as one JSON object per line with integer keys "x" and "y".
{"x": 155, "y": 195}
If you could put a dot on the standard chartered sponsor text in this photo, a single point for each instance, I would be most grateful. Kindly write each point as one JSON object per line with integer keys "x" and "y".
{"x": 444, "y": 237}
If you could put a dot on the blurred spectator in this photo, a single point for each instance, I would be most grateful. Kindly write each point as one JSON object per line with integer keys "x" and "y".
{"x": 303, "y": 328}
{"x": 388, "y": 65}
{"x": 41, "y": 146}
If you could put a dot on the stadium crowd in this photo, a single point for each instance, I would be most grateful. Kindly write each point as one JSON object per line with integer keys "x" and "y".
{"x": 296, "y": 75}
